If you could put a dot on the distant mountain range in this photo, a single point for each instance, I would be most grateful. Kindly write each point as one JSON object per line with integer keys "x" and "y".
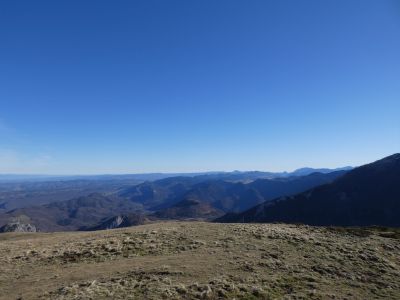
{"x": 17, "y": 191}
{"x": 308, "y": 171}
{"x": 75, "y": 214}
{"x": 15, "y": 195}
{"x": 197, "y": 197}
{"x": 367, "y": 195}
{"x": 234, "y": 176}
{"x": 225, "y": 196}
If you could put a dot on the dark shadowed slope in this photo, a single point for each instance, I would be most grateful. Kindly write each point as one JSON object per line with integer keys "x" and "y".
{"x": 217, "y": 189}
{"x": 271, "y": 189}
{"x": 225, "y": 196}
{"x": 368, "y": 195}
{"x": 222, "y": 195}
{"x": 190, "y": 209}
{"x": 159, "y": 193}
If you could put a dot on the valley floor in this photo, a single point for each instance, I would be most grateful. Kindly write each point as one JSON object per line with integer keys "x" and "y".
{"x": 196, "y": 260}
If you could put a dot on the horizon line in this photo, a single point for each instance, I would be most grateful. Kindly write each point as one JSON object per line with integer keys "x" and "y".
{"x": 167, "y": 172}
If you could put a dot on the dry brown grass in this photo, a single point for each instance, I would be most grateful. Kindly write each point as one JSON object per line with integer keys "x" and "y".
{"x": 195, "y": 260}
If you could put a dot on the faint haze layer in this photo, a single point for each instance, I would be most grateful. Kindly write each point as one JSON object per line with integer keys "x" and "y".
{"x": 189, "y": 86}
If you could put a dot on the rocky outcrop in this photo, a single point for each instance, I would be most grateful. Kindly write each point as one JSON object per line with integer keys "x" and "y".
{"x": 18, "y": 227}
{"x": 120, "y": 221}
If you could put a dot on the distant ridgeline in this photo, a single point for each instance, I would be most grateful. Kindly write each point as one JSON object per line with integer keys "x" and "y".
{"x": 205, "y": 197}
{"x": 367, "y": 195}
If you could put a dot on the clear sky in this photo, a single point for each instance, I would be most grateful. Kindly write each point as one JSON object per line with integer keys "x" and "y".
{"x": 141, "y": 86}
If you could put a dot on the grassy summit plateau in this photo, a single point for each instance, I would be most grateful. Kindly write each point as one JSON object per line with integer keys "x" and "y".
{"x": 197, "y": 260}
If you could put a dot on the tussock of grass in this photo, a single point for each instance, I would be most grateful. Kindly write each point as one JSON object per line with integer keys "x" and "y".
{"x": 388, "y": 232}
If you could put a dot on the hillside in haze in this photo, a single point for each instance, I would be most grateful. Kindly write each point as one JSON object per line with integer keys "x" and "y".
{"x": 75, "y": 214}
{"x": 181, "y": 197}
{"x": 18, "y": 191}
{"x": 367, "y": 195}
{"x": 19, "y": 194}
{"x": 225, "y": 196}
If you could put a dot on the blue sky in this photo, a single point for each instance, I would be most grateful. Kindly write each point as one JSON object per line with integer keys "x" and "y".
{"x": 174, "y": 86}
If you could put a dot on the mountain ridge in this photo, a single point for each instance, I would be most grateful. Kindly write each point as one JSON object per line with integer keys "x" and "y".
{"x": 367, "y": 195}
